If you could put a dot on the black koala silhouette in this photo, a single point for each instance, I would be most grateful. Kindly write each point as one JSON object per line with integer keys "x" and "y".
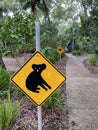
{"x": 35, "y": 79}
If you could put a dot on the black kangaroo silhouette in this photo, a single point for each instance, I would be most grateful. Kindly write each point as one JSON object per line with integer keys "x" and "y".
{"x": 35, "y": 79}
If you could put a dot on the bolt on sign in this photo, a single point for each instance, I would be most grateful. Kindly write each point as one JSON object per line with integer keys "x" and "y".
{"x": 60, "y": 50}
{"x": 38, "y": 78}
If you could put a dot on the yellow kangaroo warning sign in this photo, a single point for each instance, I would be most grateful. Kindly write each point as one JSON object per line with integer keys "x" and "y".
{"x": 38, "y": 78}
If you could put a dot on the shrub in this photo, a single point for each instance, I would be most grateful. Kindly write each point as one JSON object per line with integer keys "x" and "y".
{"x": 50, "y": 53}
{"x": 54, "y": 100}
{"x": 93, "y": 60}
{"x": 4, "y": 79}
{"x": 8, "y": 112}
{"x": 76, "y": 52}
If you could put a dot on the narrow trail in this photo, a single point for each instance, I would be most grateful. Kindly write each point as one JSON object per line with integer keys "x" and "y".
{"x": 82, "y": 90}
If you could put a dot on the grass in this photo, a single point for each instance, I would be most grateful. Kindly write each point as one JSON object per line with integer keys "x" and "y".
{"x": 8, "y": 112}
{"x": 93, "y": 60}
{"x": 54, "y": 100}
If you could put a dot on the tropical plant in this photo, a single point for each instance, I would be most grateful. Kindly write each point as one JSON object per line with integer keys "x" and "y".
{"x": 17, "y": 32}
{"x": 6, "y": 8}
{"x": 36, "y": 5}
{"x": 84, "y": 44}
{"x": 50, "y": 53}
{"x": 90, "y": 19}
{"x": 8, "y": 112}
{"x": 49, "y": 34}
{"x": 4, "y": 79}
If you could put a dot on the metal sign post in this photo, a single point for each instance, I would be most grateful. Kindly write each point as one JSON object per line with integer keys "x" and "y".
{"x": 37, "y": 28}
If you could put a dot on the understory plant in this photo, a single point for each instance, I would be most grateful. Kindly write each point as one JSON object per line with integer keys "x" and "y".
{"x": 4, "y": 79}
{"x": 54, "y": 100}
{"x": 93, "y": 60}
{"x": 8, "y": 112}
{"x": 76, "y": 52}
{"x": 50, "y": 53}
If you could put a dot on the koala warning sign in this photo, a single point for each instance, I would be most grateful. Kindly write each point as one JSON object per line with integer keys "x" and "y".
{"x": 38, "y": 78}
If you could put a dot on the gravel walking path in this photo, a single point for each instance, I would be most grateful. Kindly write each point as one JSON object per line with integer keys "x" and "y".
{"x": 82, "y": 90}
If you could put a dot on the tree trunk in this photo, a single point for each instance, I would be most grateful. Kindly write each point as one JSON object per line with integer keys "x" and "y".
{"x": 2, "y": 63}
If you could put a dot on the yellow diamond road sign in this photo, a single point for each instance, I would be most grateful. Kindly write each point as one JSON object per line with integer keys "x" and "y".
{"x": 60, "y": 50}
{"x": 38, "y": 78}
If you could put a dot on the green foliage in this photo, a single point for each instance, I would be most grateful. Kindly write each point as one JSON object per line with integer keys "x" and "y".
{"x": 90, "y": 20}
{"x": 63, "y": 12}
{"x": 76, "y": 52}
{"x": 17, "y": 32}
{"x": 96, "y": 50}
{"x": 62, "y": 40}
{"x": 85, "y": 45}
{"x": 50, "y": 41}
{"x": 16, "y": 92}
{"x": 83, "y": 21}
{"x": 93, "y": 60}
{"x": 49, "y": 35}
{"x": 7, "y": 6}
{"x": 4, "y": 79}
{"x": 4, "y": 51}
{"x": 50, "y": 53}
{"x": 36, "y": 5}
{"x": 54, "y": 100}
{"x": 8, "y": 112}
